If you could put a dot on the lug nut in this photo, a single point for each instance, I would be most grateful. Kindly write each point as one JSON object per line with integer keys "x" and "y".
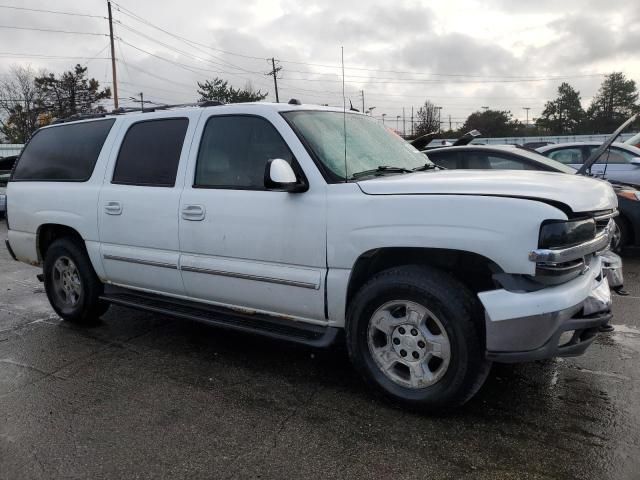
{"x": 402, "y": 331}
{"x": 396, "y": 341}
{"x": 414, "y": 332}
{"x": 421, "y": 344}
{"x": 415, "y": 355}
{"x": 403, "y": 353}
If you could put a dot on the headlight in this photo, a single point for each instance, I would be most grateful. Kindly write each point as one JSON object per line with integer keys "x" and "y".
{"x": 563, "y": 233}
{"x": 633, "y": 195}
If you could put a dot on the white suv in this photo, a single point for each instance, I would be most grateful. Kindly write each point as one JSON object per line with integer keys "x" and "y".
{"x": 270, "y": 219}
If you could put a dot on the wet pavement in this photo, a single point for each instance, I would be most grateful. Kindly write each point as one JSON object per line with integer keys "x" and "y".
{"x": 145, "y": 396}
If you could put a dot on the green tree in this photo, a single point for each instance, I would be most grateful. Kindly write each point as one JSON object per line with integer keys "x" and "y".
{"x": 220, "y": 90}
{"x": 564, "y": 114}
{"x": 492, "y": 123}
{"x": 19, "y": 105}
{"x": 70, "y": 93}
{"x": 427, "y": 120}
{"x": 613, "y": 104}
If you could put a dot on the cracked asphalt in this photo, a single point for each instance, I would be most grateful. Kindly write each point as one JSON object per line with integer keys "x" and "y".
{"x": 145, "y": 396}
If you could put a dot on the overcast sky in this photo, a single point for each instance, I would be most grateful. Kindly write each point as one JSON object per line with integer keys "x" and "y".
{"x": 460, "y": 54}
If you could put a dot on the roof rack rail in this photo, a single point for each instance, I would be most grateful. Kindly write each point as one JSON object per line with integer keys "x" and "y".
{"x": 122, "y": 110}
{"x": 79, "y": 116}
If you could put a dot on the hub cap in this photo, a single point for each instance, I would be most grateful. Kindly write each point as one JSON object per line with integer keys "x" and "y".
{"x": 409, "y": 344}
{"x": 66, "y": 282}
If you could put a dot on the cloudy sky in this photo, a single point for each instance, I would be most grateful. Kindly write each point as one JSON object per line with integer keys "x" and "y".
{"x": 460, "y": 54}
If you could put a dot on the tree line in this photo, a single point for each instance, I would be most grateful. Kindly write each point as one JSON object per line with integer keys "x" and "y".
{"x": 615, "y": 101}
{"x": 29, "y": 101}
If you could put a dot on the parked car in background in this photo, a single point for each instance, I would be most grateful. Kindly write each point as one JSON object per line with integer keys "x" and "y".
{"x": 6, "y": 165}
{"x": 534, "y": 145}
{"x": 633, "y": 141}
{"x": 511, "y": 157}
{"x": 620, "y": 163}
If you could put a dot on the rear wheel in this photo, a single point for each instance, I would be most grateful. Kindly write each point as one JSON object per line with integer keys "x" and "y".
{"x": 415, "y": 334}
{"x": 72, "y": 286}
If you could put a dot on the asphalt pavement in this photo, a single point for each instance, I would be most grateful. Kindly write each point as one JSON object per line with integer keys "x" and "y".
{"x": 146, "y": 396}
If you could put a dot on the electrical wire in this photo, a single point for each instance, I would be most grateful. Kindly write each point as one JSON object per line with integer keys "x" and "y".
{"x": 57, "y": 12}
{"x": 53, "y": 30}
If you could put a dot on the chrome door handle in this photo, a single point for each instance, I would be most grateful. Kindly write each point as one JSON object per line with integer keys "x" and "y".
{"x": 193, "y": 213}
{"x": 113, "y": 208}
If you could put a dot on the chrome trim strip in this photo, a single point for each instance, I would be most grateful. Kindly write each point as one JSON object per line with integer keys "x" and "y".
{"x": 150, "y": 263}
{"x": 247, "y": 276}
{"x": 605, "y": 216}
{"x": 561, "y": 255}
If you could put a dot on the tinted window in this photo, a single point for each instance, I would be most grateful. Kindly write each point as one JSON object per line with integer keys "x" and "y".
{"x": 234, "y": 152}
{"x": 613, "y": 156}
{"x": 567, "y": 155}
{"x": 444, "y": 159}
{"x": 503, "y": 162}
{"x": 150, "y": 153}
{"x": 65, "y": 152}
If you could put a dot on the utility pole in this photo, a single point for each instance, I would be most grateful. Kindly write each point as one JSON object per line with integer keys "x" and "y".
{"x": 526, "y": 109}
{"x": 362, "y": 92}
{"x": 439, "y": 121}
{"x": 404, "y": 126}
{"x": 113, "y": 59}
{"x": 449, "y": 122}
{"x": 274, "y": 73}
{"x": 412, "y": 121}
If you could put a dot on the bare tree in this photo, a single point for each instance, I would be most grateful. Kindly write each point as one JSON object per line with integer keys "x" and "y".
{"x": 427, "y": 119}
{"x": 19, "y": 105}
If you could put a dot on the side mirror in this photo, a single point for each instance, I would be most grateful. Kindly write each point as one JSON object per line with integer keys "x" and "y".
{"x": 280, "y": 176}
{"x": 635, "y": 161}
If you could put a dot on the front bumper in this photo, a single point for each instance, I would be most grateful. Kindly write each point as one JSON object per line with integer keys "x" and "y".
{"x": 556, "y": 321}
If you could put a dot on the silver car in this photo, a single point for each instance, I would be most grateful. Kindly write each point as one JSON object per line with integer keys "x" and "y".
{"x": 620, "y": 163}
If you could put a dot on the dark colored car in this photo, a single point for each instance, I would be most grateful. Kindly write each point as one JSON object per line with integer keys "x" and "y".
{"x": 509, "y": 157}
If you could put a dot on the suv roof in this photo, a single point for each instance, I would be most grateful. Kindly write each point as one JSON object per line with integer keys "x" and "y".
{"x": 231, "y": 107}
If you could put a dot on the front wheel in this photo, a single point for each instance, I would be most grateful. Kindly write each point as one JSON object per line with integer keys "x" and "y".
{"x": 415, "y": 334}
{"x": 72, "y": 286}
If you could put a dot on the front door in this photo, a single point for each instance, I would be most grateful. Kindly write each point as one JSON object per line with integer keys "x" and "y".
{"x": 242, "y": 245}
{"x": 138, "y": 206}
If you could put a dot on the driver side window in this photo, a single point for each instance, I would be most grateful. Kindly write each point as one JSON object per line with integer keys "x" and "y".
{"x": 234, "y": 151}
{"x": 567, "y": 156}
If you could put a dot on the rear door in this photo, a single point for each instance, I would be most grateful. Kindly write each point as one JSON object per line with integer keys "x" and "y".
{"x": 138, "y": 206}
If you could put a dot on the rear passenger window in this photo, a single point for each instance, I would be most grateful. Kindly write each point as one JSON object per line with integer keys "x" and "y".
{"x": 150, "y": 153}
{"x": 234, "y": 152}
{"x": 63, "y": 153}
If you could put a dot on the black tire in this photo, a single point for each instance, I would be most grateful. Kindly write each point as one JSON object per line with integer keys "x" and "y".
{"x": 622, "y": 239}
{"x": 458, "y": 311}
{"x": 88, "y": 307}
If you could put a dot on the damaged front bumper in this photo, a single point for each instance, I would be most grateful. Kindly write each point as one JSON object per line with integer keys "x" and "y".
{"x": 556, "y": 321}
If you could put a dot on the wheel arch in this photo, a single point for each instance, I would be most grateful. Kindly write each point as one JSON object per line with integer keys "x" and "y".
{"x": 48, "y": 233}
{"x": 472, "y": 269}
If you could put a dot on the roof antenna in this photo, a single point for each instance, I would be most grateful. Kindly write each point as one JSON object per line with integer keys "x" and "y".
{"x": 344, "y": 118}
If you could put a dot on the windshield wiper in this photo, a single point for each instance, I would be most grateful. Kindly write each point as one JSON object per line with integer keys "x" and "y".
{"x": 427, "y": 166}
{"x": 380, "y": 170}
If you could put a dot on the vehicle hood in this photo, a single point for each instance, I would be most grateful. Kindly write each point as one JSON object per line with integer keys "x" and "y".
{"x": 579, "y": 193}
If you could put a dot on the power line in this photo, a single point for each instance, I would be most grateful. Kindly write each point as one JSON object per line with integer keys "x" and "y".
{"x": 44, "y": 56}
{"x": 187, "y": 54}
{"x": 53, "y": 31}
{"x": 57, "y": 12}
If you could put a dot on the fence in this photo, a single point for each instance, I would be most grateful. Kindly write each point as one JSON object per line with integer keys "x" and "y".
{"x": 8, "y": 149}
